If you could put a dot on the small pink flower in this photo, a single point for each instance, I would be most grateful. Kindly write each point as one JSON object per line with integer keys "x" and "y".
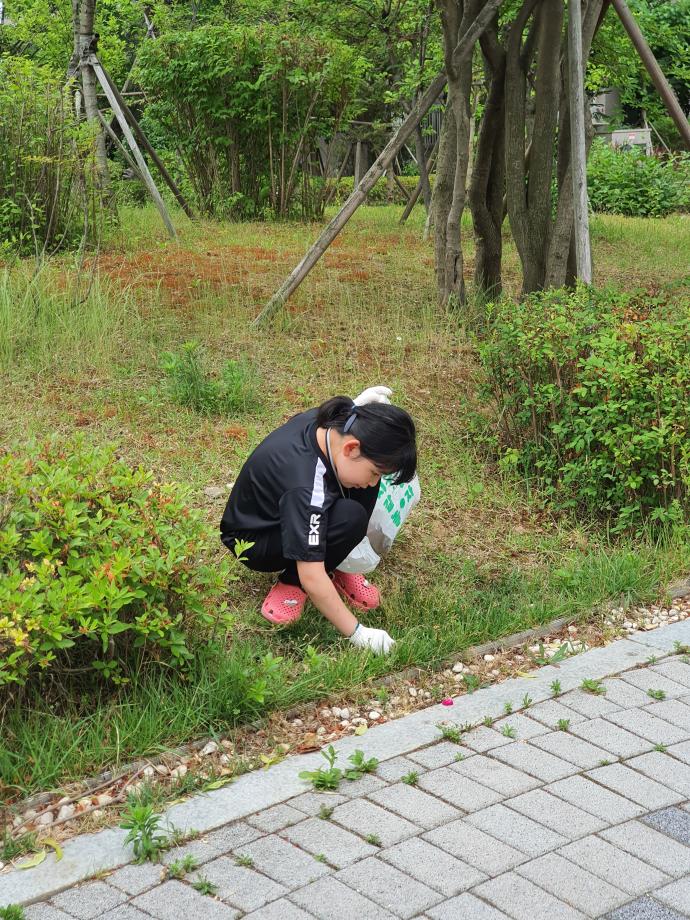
{"x": 447, "y": 702}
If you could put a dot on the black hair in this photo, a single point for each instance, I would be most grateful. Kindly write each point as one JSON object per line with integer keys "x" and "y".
{"x": 386, "y": 433}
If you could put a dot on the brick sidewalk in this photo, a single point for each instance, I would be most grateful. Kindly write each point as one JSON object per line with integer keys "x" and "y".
{"x": 587, "y": 820}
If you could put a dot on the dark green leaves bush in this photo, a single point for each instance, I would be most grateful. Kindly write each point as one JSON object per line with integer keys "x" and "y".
{"x": 190, "y": 384}
{"x": 47, "y": 192}
{"x": 593, "y": 393}
{"x": 627, "y": 182}
{"x": 244, "y": 106}
{"x": 99, "y": 564}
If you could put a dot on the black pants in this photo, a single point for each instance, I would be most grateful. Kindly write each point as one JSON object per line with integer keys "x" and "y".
{"x": 347, "y": 526}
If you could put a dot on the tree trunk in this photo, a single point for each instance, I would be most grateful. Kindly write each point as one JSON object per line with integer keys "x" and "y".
{"x": 488, "y": 177}
{"x": 88, "y": 79}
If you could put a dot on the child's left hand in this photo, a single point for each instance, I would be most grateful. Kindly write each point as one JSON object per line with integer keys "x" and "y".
{"x": 377, "y": 394}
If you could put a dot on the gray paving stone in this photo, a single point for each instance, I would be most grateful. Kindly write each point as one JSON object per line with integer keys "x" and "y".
{"x": 365, "y": 785}
{"x": 279, "y": 910}
{"x": 339, "y": 846}
{"x": 523, "y": 900}
{"x": 533, "y": 760}
{"x": 611, "y": 738}
{"x": 460, "y": 791}
{"x": 312, "y": 802}
{"x": 680, "y": 751}
{"x": 45, "y": 911}
{"x": 393, "y": 770}
{"x": 496, "y": 775}
{"x": 583, "y": 793}
{"x": 676, "y": 895}
{"x": 613, "y": 865}
{"x": 124, "y": 912}
{"x": 465, "y": 907}
{"x": 417, "y": 806}
{"x": 366, "y": 818}
{"x": 227, "y": 838}
{"x": 432, "y": 866}
{"x": 665, "y": 770}
{"x": 134, "y": 879}
{"x": 177, "y": 901}
{"x": 200, "y": 850}
{"x": 572, "y": 749}
{"x": 275, "y": 819}
{"x": 283, "y": 862}
{"x": 672, "y": 821}
{"x": 484, "y": 739}
{"x": 644, "y": 678}
{"x": 389, "y": 887}
{"x": 551, "y": 712}
{"x": 524, "y": 727}
{"x": 590, "y": 705}
{"x": 650, "y": 846}
{"x": 675, "y": 670}
{"x": 329, "y": 899}
{"x": 665, "y": 637}
{"x": 238, "y": 885}
{"x": 675, "y": 711}
{"x": 624, "y": 694}
{"x": 516, "y": 830}
{"x": 572, "y": 884}
{"x": 644, "y": 909}
{"x": 558, "y": 815}
{"x": 642, "y": 723}
{"x": 90, "y": 900}
{"x": 631, "y": 784}
{"x": 439, "y": 755}
{"x": 473, "y": 846}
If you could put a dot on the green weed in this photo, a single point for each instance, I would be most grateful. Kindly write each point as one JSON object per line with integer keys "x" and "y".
{"x": 144, "y": 833}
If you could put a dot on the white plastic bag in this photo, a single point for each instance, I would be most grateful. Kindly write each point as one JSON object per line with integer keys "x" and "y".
{"x": 393, "y": 505}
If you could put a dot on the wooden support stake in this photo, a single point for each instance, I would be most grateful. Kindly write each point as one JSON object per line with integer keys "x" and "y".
{"x": 655, "y": 72}
{"x": 578, "y": 143}
{"x": 121, "y": 147}
{"x": 463, "y": 49}
{"x": 92, "y": 61}
{"x": 146, "y": 144}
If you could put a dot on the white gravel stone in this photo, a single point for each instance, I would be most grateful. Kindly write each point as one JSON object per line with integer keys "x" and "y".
{"x": 412, "y": 691}
{"x": 489, "y": 658}
{"x": 374, "y": 716}
{"x": 209, "y": 749}
{"x": 179, "y": 772}
{"x": 45, "y": 819}
{"x": 66, "y": 812}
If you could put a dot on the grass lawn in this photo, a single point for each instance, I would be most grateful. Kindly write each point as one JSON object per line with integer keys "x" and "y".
{"x": 480, "y": 557}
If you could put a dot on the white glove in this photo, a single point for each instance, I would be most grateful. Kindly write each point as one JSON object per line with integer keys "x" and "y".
{"x": 378, "y": 394}
{"x": 377, "y": 640}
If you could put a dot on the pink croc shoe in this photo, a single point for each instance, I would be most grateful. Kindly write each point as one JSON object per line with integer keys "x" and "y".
{"x": 357, "y": 590}
{"x": 283, "y": 604}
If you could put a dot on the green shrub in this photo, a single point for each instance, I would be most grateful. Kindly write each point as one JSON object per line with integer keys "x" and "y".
{"x": 628, "y": 182}
{"x": 244, "y": 105}
{"x": 189, "y": 384}
{"x": 99, "y": 564}
{"x": 593, "y": 393}
{"x": 47, "y": 196}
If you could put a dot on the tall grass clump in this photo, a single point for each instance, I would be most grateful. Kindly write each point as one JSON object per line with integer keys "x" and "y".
{"x": 47, "y": 192}
{"x": 235, "y": 389}
{"x": 46, "y": 323}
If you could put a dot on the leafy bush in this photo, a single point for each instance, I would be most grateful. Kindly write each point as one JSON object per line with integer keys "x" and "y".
{"x": 628, "y": 182}
{"x": 99, "y": 562}
{"x": 189, "y": 384}
{"x": 593, "y": 392}
{"x": 244, "y": 106}
{"x": 47, "y": 194}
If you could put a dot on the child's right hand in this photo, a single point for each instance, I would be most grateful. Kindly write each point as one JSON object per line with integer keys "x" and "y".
{"x": 377, "y": 640}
